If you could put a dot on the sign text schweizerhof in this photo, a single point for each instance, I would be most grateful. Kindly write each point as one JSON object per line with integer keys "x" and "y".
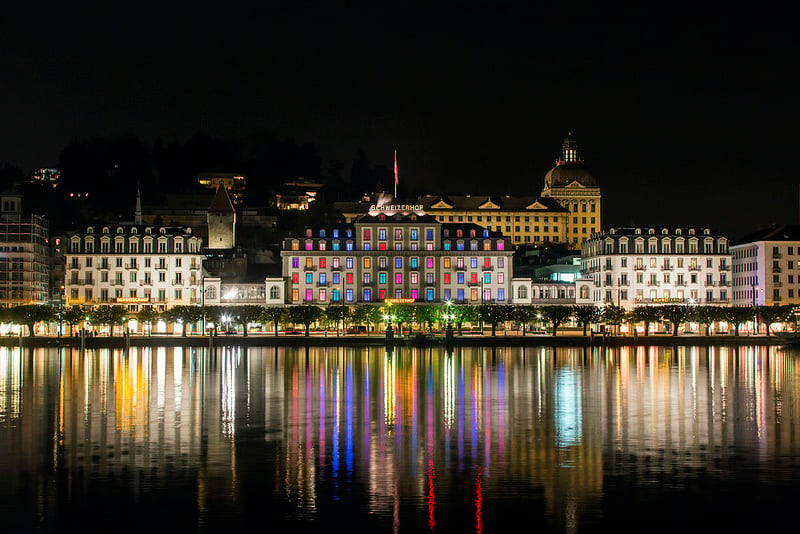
{"x": 396, "y": 207}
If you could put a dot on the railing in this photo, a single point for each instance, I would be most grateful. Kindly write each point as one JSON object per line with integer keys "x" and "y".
{"x": 487, "y": 268}
{"x": 666, "y": 267}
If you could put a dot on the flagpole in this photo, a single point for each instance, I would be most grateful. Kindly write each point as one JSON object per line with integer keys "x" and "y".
{"x": 395, "y": 174}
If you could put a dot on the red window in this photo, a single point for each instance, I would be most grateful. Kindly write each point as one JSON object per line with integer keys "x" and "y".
{"x": 349, "y": 278}
{"x": 446, "y": 278}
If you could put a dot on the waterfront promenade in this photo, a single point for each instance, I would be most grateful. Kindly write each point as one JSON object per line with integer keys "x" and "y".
{"x": 512, "y": 339}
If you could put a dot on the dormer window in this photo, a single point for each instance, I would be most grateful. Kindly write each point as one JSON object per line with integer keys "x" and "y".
{"x": 308, "y": 232}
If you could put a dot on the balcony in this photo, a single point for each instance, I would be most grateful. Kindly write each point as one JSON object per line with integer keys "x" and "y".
{"x": 666, "y": 267}
{"x": 776, "y": 269}
{"x": 652, "y": 283}
{"x": 487, "y": 268}
{"x": 638, "y": 267}
{"x": 777, "y": 255}
{"x": 131, "y": 266}
{"x": 161, "y": 267}
{"x": 694, "y": 268}
{"x": 326, "y": 284}
{"x": 309, "y": 268}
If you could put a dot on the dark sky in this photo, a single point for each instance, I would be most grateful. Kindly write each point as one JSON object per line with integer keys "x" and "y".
{"x": 687, "y": 115}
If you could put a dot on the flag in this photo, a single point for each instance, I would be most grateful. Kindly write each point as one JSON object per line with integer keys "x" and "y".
{"x": 395, "y": 167}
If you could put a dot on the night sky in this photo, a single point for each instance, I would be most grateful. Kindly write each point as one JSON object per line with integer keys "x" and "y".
{"x": 686, "y": 115}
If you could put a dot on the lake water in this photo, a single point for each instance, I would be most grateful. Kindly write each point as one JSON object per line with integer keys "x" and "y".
{"x": 416, "y": 440}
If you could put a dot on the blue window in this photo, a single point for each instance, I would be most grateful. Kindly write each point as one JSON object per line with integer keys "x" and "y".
{"x": 335, "y": 295}
{"x": 429, "y": 234}
{"x": 447, "y": 246}
{"x": 348, "y": 263}
{"x": 309, "y": 278}
{"x": 473, "y": 262}
{"x": 335, "y": 233}
{"x": 429, "y": 295}
{"x": 414, "y": 263}
{"x": 335, "y": 278}
{"x": 349, "y": 245}
{"x": 367, "y": 295}
{"x": 322, "y": 233}
{"x": 446, "y": 294}
{"x": 336, "y": 246}
{"x": 398, "y": 263}
{"x": 460, "y": 295}
{"x": 460, "y": 245}
{"x": 413, "y": 234}
{"x": 366, "y": 246}
{"x": 348, "y": 295}
{"x": 381, "y": 278}
{"x": 501, "y": 294}
{"x": 460, "y": 277}
{"x": 349, "y": 233}
{"x": 295, "y": 263}
{"x": 322, "y": 278}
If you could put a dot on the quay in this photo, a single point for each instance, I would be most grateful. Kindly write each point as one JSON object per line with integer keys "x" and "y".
{"x": 270, "y": 340}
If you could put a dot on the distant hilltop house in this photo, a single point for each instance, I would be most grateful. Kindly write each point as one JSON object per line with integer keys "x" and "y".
{"x": 297, "y": 194}
{"x": 235, "y": 183}
{"x": 46, "y": 176}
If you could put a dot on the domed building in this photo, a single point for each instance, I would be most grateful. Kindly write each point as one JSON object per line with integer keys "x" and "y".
{"x": 571, "y": 184}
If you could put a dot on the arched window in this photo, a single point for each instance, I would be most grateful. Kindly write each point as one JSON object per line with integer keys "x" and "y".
{"x": 584, "y": 292}
{"x": 522, "y": 292}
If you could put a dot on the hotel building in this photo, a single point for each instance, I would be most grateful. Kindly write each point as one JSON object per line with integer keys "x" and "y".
{"x": 397, "y": 252}
{"x": 133, "y": 265}
{"x": 631, "y": 266}
{"x": 766, "y": 267}
{"x": 24, "y": 254}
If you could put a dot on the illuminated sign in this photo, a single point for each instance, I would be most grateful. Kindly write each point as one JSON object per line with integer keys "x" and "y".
{"x": 399, "y": 301}
{"x": 133, "y": 300}
{"x": 662, "y": 300}
{"x": 396, "y": 207}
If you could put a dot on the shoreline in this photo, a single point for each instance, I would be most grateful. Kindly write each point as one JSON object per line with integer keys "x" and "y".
{"x": 422, "y": 340}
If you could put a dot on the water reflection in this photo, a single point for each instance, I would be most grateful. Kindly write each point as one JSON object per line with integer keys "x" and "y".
{"x": 414, "y": 439}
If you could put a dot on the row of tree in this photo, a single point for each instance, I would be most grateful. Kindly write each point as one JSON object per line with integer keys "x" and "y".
{"x": 423, "y": 316}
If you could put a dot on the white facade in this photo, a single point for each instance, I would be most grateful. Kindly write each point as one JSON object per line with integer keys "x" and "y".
{"x": 270, "y": 292}
{"x": 766, "y": 267}
{"x": 134, "y": 265}
{"x": 528, "y": 291}
{"x": 633, "y": 266}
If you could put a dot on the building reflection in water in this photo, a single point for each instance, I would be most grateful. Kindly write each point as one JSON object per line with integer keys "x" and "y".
{"x": 442, "y": 434}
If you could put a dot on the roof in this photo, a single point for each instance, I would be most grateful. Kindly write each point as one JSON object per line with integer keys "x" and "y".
{"x": 785, "y": 232}
{"x": 397, "y": 218}
{"x": 222, "y": 202}
{"x": 569, "y": 174}
{"x": 488, "y": 203}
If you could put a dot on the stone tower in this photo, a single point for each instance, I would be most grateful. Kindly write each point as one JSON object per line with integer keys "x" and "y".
{"x": 221, "y": 220}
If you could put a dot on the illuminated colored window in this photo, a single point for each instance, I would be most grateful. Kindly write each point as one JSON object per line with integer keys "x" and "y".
{"x": 322, "y": 263}
{"x": 348, "y": 295}
{"x": 487, "y": 262}
{"x": 446, "y": 263}
{"x": 309, "y": 278}
{"x": 414, "y": 278}
{"x": 398, "y": 278}
{"x": 295, "y": 263}
{"x": 414, "y": 234}
{"x": 398, "y": 263}
{"x": 473, "y": 278}
{"x": 295, "y": 278}
{"x": 414, "y": 294}
{"x": 336, "y": 278}
{"x": 460, "y": 295}
{"x": 309, "y": 295}
{"x": 367, "y": 295}
{"x": 349, "y": 278}
{"x": 366, "y": 234}
{"x": 446, "y": 294}
{"x": 429, "y": 295}
{"x": 487, "y": 278}
{"x": 367, "y": 262}
{"x": 429, "y": 263}
{"x": 473, "y": 262}
{"x": 414, "y": 263}
{"x": 429, "y": 234}
{"x": 295, "y": 294}
{"x": 382, "y": 234}
{"x": 446, "y": 278}
{"x": 309, "y": 245}
{"x": 335, "y": 295}
{"x": 460, "y": 278}
{"x": 501, "y": 294}
{"x": 382, "y": 278}
{"x": 382, "y": 294}
{"x": 322, "y": 278}
{"x": 348, "y": 263}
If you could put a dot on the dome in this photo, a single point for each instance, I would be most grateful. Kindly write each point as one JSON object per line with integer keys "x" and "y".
{"x": 566, "y": 173}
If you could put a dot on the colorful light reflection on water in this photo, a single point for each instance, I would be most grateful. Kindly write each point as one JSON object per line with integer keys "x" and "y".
{"x": 419, "y": 440}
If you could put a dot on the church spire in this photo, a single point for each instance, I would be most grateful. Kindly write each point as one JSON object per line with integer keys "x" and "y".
{"x": 137, "y": 215}
{"x": 569, "y": 151}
